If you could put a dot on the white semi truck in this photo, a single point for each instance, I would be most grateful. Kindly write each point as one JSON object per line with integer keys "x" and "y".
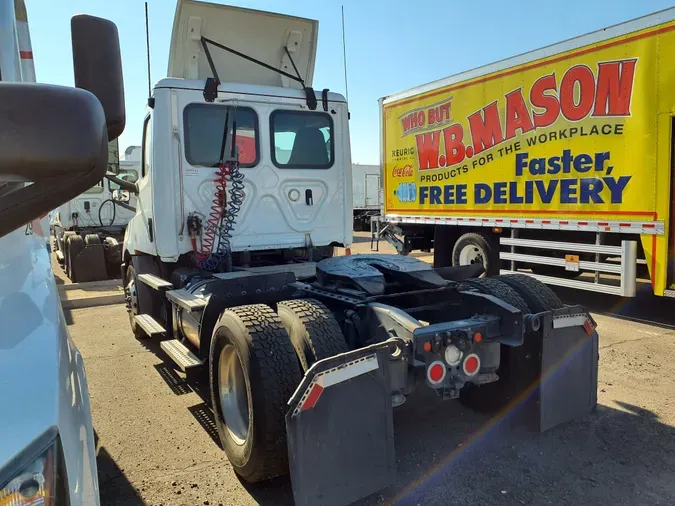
{"x": 245, "y": 189}
{"x": 52, "y": 148}
{"x": 89, "y": 229}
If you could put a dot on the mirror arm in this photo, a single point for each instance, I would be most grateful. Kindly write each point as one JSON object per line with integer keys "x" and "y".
{"x": 125, "y": 206}
{"x": 132, "y": 187}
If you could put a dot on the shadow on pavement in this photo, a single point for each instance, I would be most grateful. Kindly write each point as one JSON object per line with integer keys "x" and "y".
{"x": 204, "y": 416}
{"x": 177, "y": 384}
{"x": 644, "y": 307}
{"x": 114, "y": 486}
{"x": 616, "y": 457}
{"x": 276, "y": 491}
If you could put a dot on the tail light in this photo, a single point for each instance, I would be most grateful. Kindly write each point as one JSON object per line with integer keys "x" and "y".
{"x": 436, "y": 372}
{"x": 471, "y": 364}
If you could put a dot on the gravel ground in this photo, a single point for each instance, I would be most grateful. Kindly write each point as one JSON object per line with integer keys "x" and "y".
{"x": 157, "y": 444}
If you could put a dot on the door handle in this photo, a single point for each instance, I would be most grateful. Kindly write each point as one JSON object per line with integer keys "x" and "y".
{"x": 309, "y": 200}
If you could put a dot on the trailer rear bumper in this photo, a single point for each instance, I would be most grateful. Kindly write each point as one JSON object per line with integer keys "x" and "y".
{"x": 340, "y": 419}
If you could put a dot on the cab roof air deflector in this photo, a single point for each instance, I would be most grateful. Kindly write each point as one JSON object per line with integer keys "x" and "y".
{"x": 211, "y": 84}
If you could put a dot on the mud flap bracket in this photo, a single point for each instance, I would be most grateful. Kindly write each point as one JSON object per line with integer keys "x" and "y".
{"x": 340, "y": 428}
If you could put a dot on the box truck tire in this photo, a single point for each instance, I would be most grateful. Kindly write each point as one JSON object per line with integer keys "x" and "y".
{"x": 477, "y": 247}
{"x": 253, "y": 371}
{"x": 314, "y": 331}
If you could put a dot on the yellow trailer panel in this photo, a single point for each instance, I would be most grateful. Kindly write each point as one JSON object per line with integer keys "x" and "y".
{"x": 579, "y": 135}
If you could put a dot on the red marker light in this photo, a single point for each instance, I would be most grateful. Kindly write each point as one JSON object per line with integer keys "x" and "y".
{"x": 436, "y": 372}
{"x": 471, "y": 364}
{"x": 427, "y": 346}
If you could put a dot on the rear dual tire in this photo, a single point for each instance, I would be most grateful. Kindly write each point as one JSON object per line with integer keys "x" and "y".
{"x": 74, "y": 246}
{"x": 257, "y": 359}
{"x": 515, "y": 367}
{"x": 253, "y": 373}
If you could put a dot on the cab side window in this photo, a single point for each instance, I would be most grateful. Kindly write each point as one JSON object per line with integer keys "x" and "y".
{"x": 146, "y": 162}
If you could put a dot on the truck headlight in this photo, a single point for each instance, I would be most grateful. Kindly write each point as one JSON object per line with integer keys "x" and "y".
{"x": 32, "y": 478}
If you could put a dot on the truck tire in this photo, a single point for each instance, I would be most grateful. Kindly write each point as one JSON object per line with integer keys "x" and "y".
{"x": 74, "y": 245}
{"x": 253, "y": 371}
{"x": 477, "y": 247}
{"x": 91, "y": 239}
{"x": 496, "y": 287}
{"x": 491, "y": 397}
{"x": 64, "y": 249}
{"x": 314, "y": 331}
{"x": 138, "y": 300}
{"x": 61, "y": 242}
{"x": 538, "y": 296}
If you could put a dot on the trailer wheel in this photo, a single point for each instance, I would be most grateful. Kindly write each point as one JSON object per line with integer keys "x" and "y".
{"x": 74, "y": 245}
{"x": 493, "y": 286}
{"x": 253, "y": 372}
{"x": 315, "y": 333}
{"x": 538, "y": 296}
{"x": 477, "y": 247}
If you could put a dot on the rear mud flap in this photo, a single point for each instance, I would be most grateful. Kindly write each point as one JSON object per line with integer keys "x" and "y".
{"x": 569, "y": 366}
{"x": 340, "y": 429}
{"x": 89, "y": 264}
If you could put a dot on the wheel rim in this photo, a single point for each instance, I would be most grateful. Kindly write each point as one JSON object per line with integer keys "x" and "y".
{"x": 131, "y": 299}
{"x": 471, "y": 254}
{"x": 232, "y": 394}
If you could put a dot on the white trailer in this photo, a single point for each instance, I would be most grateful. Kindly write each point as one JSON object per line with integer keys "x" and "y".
{"x": 367, "y": 195}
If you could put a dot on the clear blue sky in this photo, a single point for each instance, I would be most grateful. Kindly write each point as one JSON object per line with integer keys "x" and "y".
{"x": 392, "y": 45}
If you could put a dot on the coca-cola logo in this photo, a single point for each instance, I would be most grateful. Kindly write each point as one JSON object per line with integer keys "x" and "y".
{"x": 405, "y": 171}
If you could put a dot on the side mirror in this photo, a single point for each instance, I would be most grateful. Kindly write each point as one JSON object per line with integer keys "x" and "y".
{"x": 98, "y": 67}
{"x": 54, "y": 137}
{"x": 126, "y": 185}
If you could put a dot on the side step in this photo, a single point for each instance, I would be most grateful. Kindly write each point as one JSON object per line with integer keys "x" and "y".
{"x": 186, "y": 300}
{"x": 180, "y": 354}
{"x": 154, "y": 281}
{"x": 149, "y": 325}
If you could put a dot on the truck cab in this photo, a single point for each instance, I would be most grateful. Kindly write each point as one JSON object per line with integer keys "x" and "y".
{"x": 292, "y": 198}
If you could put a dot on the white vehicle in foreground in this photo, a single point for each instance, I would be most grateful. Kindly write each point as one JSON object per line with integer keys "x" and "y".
{"x": 53, "y": 147}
